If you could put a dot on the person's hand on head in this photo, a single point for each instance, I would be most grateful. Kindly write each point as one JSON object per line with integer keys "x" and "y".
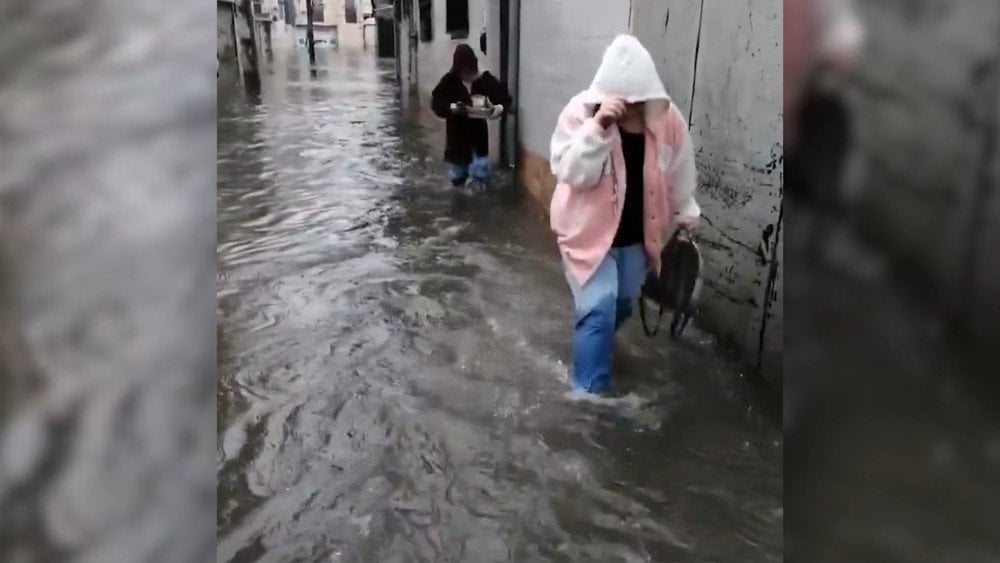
{"x": 612, "y": 109}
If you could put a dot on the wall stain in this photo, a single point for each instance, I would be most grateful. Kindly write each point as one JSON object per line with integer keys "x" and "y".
{"x": 764, "y": 254}
{"x": 729, "y": 238}
{"x": 770, "y": 293}
{"x": 712, "y": 184}
{"x": 729, "y": 297}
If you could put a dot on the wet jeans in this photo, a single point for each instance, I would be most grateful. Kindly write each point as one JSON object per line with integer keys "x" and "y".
{"x": 479, "y": 169}
{"x": 602, "y": 305}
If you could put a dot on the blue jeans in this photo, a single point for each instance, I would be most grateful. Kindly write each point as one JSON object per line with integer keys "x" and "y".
{"x": 479, "y": 168}
{"x": 602, "y": 305}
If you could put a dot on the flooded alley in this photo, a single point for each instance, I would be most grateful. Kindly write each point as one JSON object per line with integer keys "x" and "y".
{"x": 394, "y": 353}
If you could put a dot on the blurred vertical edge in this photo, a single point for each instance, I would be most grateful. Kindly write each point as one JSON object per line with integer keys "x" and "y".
{"x": 892, "y": 282}
{"x": 107, "y": 281}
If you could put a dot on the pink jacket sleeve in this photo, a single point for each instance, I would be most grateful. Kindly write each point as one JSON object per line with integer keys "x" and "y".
{"x": 579, "y": 149}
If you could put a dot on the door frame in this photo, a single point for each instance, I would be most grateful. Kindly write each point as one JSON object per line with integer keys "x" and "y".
{"x": 510, "y": 24}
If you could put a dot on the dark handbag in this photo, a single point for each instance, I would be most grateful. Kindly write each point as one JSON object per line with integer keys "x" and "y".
{"x": 678, "y": 287}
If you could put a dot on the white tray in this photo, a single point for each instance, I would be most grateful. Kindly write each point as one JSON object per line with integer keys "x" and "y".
{"x": 479, "y": 113}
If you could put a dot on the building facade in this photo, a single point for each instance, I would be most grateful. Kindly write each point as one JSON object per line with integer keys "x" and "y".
{"x": 336, "y": 23}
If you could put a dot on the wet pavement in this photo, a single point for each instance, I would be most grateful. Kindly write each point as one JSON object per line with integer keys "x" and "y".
{"x": 393, "y": 361}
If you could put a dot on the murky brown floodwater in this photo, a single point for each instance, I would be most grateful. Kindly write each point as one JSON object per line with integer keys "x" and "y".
{"x": 393, "y": 364}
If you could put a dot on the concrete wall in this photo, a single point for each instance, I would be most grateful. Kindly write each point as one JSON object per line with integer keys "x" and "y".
{"x": 225, "y": 43}
{"x": 735, "y": 119}
{"x": 721, "y": 62}
{"x": 246, "y": 49}
{"x": 243, "y": 31}
{"x": 669, "y": 29}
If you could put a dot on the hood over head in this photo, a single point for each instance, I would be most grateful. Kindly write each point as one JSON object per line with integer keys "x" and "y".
{"x": 841, "y": 33}
{"x": 627, "y": 70}
{"x": 464, "y": 61}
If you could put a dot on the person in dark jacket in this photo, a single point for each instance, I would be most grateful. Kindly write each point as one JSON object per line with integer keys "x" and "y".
{"x": 467, "y": 139}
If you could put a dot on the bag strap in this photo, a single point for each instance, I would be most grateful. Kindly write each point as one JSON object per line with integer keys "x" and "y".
{"x": 642, "y": 315}
{"x": 659, "y": 317}
{"x": 679, "y": 323}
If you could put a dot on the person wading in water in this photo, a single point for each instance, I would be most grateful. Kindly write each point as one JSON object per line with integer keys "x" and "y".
{"x": 625, "y": 175}
{"x": 467, "y": 145}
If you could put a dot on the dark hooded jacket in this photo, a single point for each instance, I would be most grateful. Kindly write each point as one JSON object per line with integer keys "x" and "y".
{"x": 466, "y": 136}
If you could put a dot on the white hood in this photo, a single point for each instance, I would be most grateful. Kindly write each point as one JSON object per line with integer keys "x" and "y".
{"x": 841, "y": 31}
{"x": 627, "y": 70}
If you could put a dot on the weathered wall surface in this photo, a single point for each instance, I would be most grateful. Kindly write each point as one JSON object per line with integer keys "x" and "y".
{"x": 927, "y": 92}
{"x": 735, "y": 119}
{"x": 225, "y": 43}
{"x": 243, "y": 31}
{"x": 721, "y": 63}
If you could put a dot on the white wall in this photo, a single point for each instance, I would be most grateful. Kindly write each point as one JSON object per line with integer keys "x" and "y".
{"x": 669, "y": 30}
{"x": 349, "y": 34}
{"x": 721, "y": 63}
{"x": 561, "y": 46}
{"x": 435, "y": 56}
{"x": 737, "y": 126}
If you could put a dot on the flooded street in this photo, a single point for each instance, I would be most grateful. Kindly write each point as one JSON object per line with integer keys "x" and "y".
{"x": 393, "y": 363}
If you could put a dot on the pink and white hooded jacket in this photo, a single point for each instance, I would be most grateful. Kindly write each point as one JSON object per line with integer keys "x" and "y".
{"x": 589, "y": 165}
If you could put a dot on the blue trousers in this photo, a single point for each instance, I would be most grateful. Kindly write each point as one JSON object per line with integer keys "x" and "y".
{"x": 602, "y": 305}
{"x": 479, "y": 168}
